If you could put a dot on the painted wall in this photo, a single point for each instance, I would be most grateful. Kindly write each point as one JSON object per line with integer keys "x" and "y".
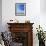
{"x": 33, "y": 13}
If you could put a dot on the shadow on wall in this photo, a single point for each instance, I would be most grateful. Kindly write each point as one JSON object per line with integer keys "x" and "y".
{"x": 0, "y": 15}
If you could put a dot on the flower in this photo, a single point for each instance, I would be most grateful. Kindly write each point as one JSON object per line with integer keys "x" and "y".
{"x": 40, "y": 33}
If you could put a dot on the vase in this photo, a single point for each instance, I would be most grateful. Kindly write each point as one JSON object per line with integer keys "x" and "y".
{"x": 41, "y": 43}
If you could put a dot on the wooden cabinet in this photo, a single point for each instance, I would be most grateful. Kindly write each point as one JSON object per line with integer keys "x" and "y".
{"x": 22, "y": 33}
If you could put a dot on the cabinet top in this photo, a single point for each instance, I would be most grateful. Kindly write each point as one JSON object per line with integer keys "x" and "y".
{"x": 19, "y": 23}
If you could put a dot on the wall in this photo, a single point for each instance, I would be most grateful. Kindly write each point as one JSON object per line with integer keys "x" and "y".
{"x": 43, "y": 6}
{"x": 43, "y": 14}
{"x": 33, "y": 13}
{"x": 0, "y": 15}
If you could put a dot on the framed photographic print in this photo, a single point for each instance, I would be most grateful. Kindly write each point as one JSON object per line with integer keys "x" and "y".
{"x": 20, "y": 9}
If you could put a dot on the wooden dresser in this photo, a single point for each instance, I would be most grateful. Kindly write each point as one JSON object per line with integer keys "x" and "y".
{"x": 22, "y": 33}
